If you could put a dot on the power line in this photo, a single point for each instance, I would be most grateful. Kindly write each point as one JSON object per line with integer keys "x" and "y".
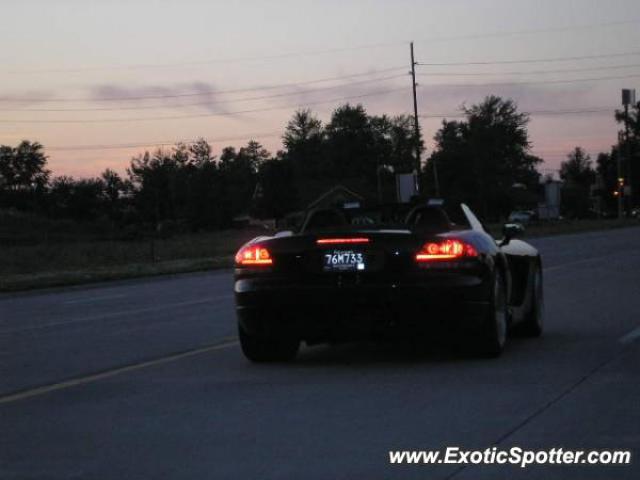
{"x": 577, "y": 111}
{"x": 528, "y": 72}
{"x": 533, "y": 82}
{"x": 531, "y": 60}
{"x": 285, "y": 55}
{"x": 214, "y": 114}
{"x": 209, "y": 104}
{"x": 207, "y": 62}
{"x": 530, "y": 31}
{"x": 198, "y": 94}
{"x": 572, "y": 111}
{"x": 115, "y": 146}
{"x": 283, "y": 85}
{"x": 206, "y": 115}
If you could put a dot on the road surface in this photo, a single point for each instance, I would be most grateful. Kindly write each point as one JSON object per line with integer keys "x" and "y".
{"x": 144, "y": 379}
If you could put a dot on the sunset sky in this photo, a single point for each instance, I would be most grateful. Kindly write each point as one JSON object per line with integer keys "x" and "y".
{"x": 75, "y": 74}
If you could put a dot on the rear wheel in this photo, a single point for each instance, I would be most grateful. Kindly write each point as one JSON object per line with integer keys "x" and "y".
{"x": 494, "y": 336}
{"x": 259, "y": 348}
{"x": 533, "y": 323}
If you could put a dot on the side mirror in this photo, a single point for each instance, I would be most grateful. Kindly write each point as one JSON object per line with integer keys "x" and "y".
{"x": 510, "y": 231}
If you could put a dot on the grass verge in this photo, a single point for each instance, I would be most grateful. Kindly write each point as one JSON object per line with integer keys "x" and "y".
{"x": 54, "y": 265}
{"x": 29, "y": 281}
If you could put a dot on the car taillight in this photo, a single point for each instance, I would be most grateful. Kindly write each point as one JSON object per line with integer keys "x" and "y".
{"x": 253, "y": 255}
{"x": 445, "y": 250}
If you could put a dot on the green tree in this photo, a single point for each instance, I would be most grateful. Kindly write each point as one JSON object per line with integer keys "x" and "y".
{"x": 577, "y": 169}
{"x": 252, "y": 156}
{"x": 578, "y": 175}
{"x": 201, "y": 153}
{"x": 60, "y": 193}
{"x": 239, "y": 171}
{"x": 275, "y": 193}
{"x": 7, "y": 171}
{"x": 23, "y": 175}
{"x": 350, "y": 144}
{"x": 302, "y": 129}
{"x": 29, "y": 165}
{"x": 113, "y": 190}
{"x": 155, "y": 180}
{"x": 303, "y": 140}
{"x": 481, "y": 158}
{"x": 353, "y": 148}
{"x": 81, "y": 200}
{"x": 402, "y": 141}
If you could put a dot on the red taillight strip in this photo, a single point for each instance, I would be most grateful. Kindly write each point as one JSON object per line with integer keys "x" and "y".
{"x": 449, "y": 249}
{"x": 334, "y": 241}
{"x": 257, "y": 262}
{"x": 424, "y": 257}
{"x": 254, "y": 255}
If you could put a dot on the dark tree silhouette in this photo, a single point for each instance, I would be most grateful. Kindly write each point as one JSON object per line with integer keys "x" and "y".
{"x": 607, "y": 172}
{"x": 482, "y": 157}
{"x": 275, "y": 193}
{"x": 113, "y": 190}
{"x": 578, "y": 175}
{"x": 350, "y": 144}
{"x": 23, "y": 175}
{"x": 577, "y": 169}
{"x": 303, "y": 140}
{"x": 484, "y": 160}
{"x": 302, "y": 129}
{"x": 630, "y": 150}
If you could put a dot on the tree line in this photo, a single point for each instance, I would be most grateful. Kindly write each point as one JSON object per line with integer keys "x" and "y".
{"x": 586, "y": 181}
{"x": 190, "y": 188}
{"x": 484, "y": 159}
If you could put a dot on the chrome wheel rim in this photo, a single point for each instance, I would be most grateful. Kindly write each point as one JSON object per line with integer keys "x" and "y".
{"x": 500, "y": 311}
{"x": 539, "y": 299}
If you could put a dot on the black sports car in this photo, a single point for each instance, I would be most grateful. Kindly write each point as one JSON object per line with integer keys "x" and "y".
{"x": 355, "y": 273}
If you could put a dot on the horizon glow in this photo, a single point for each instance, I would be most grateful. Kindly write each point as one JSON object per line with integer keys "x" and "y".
{"x": 90, "y": 49}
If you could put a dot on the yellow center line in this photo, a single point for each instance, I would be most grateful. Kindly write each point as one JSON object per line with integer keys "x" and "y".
{"x": 73, "y": 382}
{"x": 122, "y": 313}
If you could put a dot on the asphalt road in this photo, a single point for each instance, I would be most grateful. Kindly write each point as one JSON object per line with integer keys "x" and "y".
{"x": 144, "y": 379}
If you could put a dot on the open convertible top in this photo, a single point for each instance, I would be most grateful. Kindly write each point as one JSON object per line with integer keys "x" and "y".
{"x": 433, "y": 216}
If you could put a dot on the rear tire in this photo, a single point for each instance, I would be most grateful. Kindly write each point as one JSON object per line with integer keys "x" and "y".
{"x": 533, "y": 323}
{"x": 258, "y": 348}
{"x": 494, "y": 336}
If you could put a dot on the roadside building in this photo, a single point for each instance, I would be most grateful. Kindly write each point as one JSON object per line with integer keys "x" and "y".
{"x": 549, "y": 206}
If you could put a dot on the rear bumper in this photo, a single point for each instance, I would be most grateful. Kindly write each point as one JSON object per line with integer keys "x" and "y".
{"x": 349, "y": 309}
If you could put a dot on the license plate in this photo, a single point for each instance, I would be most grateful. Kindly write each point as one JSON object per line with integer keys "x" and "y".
{"x": 343, "y": 261}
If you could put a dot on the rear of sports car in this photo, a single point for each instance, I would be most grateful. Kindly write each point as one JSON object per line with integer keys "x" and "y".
{"x": 360, "y": 284}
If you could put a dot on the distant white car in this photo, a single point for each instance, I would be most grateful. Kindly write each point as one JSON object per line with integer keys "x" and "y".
{"x": 520, "y": 216}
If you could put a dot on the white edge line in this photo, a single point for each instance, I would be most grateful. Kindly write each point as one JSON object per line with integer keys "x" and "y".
{"x": 630, "y": 337}
{"x": 94, "y": 299}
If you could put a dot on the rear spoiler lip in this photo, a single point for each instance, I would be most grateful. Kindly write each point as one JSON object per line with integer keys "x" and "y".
{"x": 386, "y": 230}
{"x": 356, "y": 232}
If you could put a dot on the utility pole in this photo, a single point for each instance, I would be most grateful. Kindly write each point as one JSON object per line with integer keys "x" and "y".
{"x": 627, "y": 157}
{"x": 628, "y": 98}
{"x": 416, "y": 125}
{"x": 620, "y": 180}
